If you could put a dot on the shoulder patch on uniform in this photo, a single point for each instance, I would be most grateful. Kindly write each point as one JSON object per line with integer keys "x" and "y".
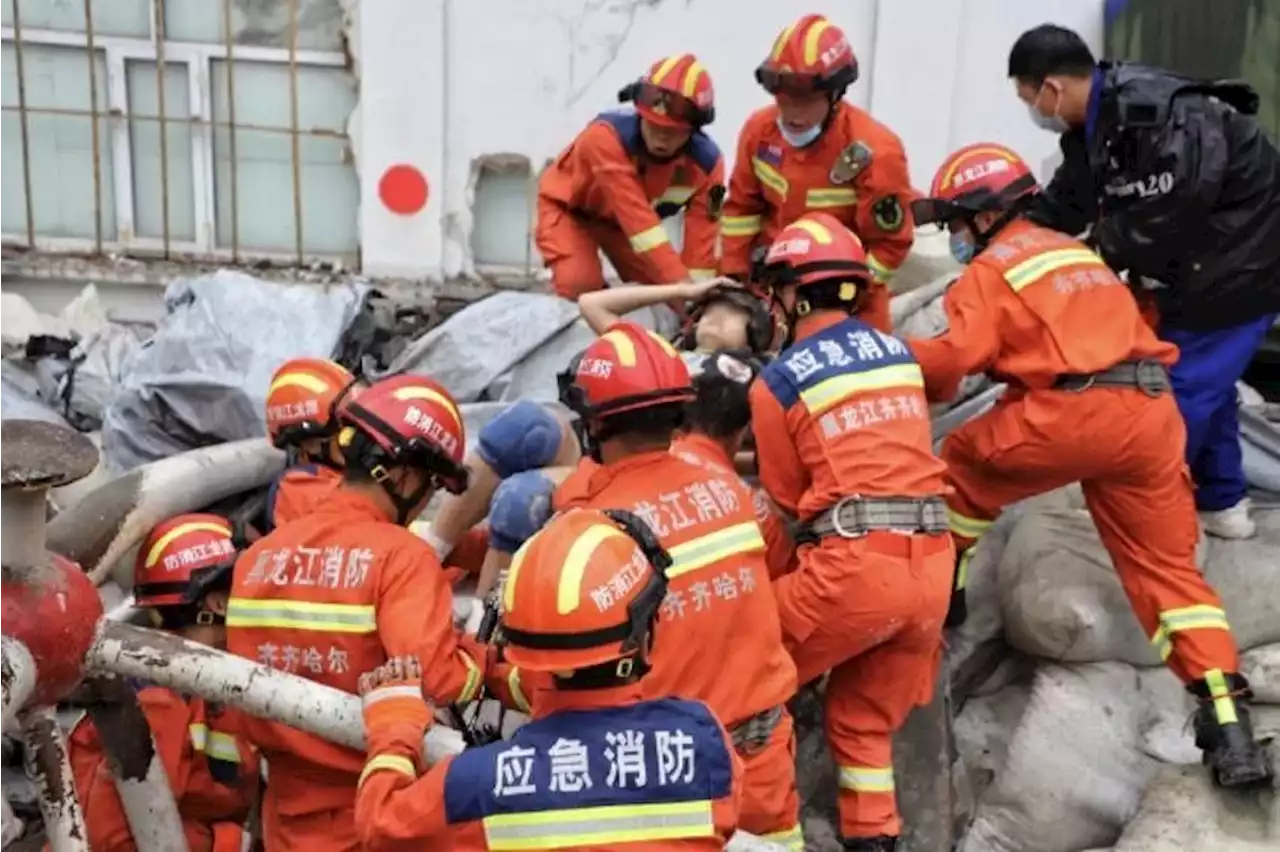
{"x": 853, "y": 160}
{"x": 715, "y": 201}
{"x": 888, "y": 213}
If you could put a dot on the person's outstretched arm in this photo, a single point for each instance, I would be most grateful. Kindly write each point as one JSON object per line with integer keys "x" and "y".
{"x": 603, "y": 308}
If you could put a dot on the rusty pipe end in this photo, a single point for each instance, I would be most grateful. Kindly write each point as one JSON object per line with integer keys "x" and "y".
{"x": 39, "y": 455}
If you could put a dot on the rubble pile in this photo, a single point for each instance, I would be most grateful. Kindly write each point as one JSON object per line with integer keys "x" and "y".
{"x": 1055, "y": 726}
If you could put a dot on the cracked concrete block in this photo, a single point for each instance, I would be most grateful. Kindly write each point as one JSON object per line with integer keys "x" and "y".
{"x": 1262, "y": 667}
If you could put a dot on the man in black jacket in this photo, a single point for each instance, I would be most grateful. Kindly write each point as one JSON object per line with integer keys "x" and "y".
{"x": 1181, "y": 189}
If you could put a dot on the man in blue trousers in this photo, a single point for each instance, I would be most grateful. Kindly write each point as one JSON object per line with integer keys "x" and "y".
{"x": 1182, "y": 190}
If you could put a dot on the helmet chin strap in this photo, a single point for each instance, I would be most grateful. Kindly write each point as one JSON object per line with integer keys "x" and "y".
{"x": 404, "y": 503}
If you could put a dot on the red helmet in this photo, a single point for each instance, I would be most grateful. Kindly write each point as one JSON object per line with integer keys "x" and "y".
{"x": 976, "y": 179}
{"x": 676, "y": 92}
{"x": 584, "y": 591}
{"x": 301, "y": 398}
{"x": 811, "y": 55}
{"x": 405, "y": 421}
{"x": 627, "y": 369}
{"x": 814, "y": 250}
{"x": 182, "y": 559}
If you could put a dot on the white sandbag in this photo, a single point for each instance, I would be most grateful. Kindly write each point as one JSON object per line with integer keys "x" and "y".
{"x": 1261, "y": 666}
{"x": 1182, "y": 810}
{"x": 1061, "y": 599}
{"x": 1074, "y": 771}
{"x": 982, "y": 732}
{"x": 1165, "y": 730}
{"x": 930, "y": 258}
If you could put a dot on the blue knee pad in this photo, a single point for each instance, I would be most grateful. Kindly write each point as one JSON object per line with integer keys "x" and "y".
{"x": 520, "y": 506}
{"x": 524, "y": 437}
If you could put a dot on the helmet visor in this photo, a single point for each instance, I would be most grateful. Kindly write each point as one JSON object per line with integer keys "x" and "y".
{"x": 788, "y": 83}
{"x": 665, "y": 102}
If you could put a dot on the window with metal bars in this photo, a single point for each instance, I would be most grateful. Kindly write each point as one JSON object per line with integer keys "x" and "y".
{"x": 210, "y": 129}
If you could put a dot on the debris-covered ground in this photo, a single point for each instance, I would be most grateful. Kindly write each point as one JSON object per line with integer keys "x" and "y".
{"x": 1068, "y": 732}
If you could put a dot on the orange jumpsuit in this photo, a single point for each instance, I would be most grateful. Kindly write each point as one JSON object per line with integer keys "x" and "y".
{"x": 214, "y": 776}
{"x": 718, "y": 640}
{"x": 780, "y": 549}
{"x": 773, "y": 184}
{"x": 1034, "y": 306}
{"x": 298, "y": 490}
{"x": 603, "y": 193}
{"x": 328, "y": 597}
{"x": 842, "y": 414}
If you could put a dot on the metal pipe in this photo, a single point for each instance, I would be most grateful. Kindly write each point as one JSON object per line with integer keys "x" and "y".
{"x": 49, "y": 767}
{"x": 157, "y": 18}
{"x": 22, "y": 526}
{"x": 231, "y": 133}
{"x": 18, "y": 673}
{"x": 93, "y": 109}
{"x": 295, "y": 142}
{"x": 319, "y": 132}
{"x": 22, "y": 123}
{"x": 267, "y": 693}
{"x": 143, "y": 786}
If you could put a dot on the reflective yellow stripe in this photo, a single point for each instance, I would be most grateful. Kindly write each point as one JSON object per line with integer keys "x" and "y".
{"x": 962, "y": 568}
{"x": 391, "y": 762}
{"x": 741, "y": 226}
{"x": 770, "y": 177}
{"x": 475, "y": 678}
{"x": 517, "y": 693}
{"x": 867, "y": 779}
{"x": 1224, "y": 707}
{"x": 812, "y": 38}
{"x": 508, "y": 587}
{"x": 569, "y": 593}
{"x": 215, "y": 744}
{"x": 600, "y": 826}
{"x": 157, "y": 549}
{"x": 306, "y": 381}
{"x": 704, "y": 550}
{"x": 701, "y": 274}
{"x": 966, "y": 526}
{"x": 648, "y": 240}
{"x": 675, "y": 195}
{"x": 1197, "y": 617}
{"x": 1033, "y": 269}
{"x": 826, "y": 394}
{"x": 299, "y": 615}
{"x": 882, "y": 271}
{"x": 817, "y": 199}
{"x": 791, "y": 839}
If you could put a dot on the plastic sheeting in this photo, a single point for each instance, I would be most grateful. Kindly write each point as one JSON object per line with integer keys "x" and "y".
{"x": 19, "y": 398}
{"x": 202, "y": 378}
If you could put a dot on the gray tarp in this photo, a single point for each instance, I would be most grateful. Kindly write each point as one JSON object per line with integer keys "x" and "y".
{"x": 203, "y": 377}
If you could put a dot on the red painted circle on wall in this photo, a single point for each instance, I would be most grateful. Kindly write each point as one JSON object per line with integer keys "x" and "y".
{"x": 403, "y": 189}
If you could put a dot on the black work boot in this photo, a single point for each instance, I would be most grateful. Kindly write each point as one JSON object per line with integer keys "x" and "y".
{"x": 958, "y": 611}
{"x": 1224, "y": 733}
{"x": 883, "y": 843}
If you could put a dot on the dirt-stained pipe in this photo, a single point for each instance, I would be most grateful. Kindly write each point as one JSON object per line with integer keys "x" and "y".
{"x": 18, "y": 673}
{"x": 49, "y": 767}
{"x": 104, "y": 526}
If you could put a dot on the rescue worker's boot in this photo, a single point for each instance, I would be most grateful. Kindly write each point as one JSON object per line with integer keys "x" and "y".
{"x": 1224, "y": 732}
{"x": 883, "y": 843}
{"x": 958, "y": 611}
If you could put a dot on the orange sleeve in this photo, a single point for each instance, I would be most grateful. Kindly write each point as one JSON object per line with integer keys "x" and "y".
{"x": 394, "y": 809}
{"x": 613, "y": 173}
{"x": 702, "y": 225}
{"x": 781, "y": 473}
{"x": 884, "y": 208}
{"x": 971, "y": 342}
{"x": 727, "y": 811}
{"x": 744, "y": 209}
{"x": 780, "y": 548}
{"x": 415, "y": 616}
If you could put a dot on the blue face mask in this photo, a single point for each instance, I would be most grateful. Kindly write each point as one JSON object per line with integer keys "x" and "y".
{"x": 962, "y": 249}
{"x": 799, "y": 140}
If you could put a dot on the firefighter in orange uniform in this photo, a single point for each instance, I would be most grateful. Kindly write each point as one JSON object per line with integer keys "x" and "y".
{"x": 813, "y": 151}
{"x": 300, "y": 404}
{"x": 843, "y": 444}
{"x": 340, "y": 590}
{"x": 629, "y": 391}
{"x": 182, "y": 576}
{"x": 715, "y": 427}
{"x": 613, "y": 186}
{"x": 1089, "y": 401}
{"x": 599, "y": 767}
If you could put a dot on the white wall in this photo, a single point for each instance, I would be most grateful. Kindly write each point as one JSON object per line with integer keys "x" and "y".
{"x": 448, "y": 83}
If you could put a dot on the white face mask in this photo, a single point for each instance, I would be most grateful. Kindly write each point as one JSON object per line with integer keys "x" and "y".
{"x": 802, "y": 139}
{"x": 1052, "y": 123}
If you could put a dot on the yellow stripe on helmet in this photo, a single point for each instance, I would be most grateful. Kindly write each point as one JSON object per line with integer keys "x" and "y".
{"x": 432, "y": 395}
{"x": 307, "y": 381}
{"x": 665, "y": 67}
{"x": 575, "y": 564}
{"x": 811, "y": 38}
{"x": 816, "y": 230}
{"x": 157, "y": 549}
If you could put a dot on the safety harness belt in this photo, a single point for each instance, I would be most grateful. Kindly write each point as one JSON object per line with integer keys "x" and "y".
{"x": 856, "y": 516}
{"x": 1150, "y": 377}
